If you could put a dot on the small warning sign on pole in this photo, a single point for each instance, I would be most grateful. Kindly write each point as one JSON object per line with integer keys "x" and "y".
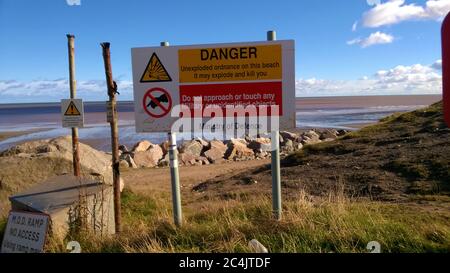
{"x": 72, "y": 111}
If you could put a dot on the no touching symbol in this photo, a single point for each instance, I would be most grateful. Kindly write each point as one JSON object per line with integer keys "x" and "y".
{"x": 157, "y": 102}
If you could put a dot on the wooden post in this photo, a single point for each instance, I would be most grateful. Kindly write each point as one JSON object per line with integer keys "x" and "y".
{"x": 73, "y": 93}
{"x": 112, "y": 90}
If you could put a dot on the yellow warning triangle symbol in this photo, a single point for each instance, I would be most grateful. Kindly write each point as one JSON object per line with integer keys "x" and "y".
{"x": 155, "y": 71}
{"x": 72, "y": 110}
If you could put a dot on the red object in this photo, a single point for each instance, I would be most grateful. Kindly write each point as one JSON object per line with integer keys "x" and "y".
{"x": 233, "y": 94}
{"x": 153, "y": 100}
{"x": 446, "y": 67}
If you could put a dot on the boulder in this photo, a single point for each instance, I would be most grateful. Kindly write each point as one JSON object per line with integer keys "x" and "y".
{"x": 148, "y": 158}
{"x": 129, "y": 160}
{"x": 165, "y": 161}
{"x": 123, "y": 149}
{"x": 288, "y": 146}
{"x": 165, "y": 147}
{"x": 260, "y": 145}
{"x": 203, "y": 160}
{"x": 329, "y": 134}
{"x": 288, "y": 135}
{"x": 141, "y": 146}
{"x": 216, "y": 151}
{"x": 342, "y": 132}
{"x": 192, "y": 147}
{"x": 187, "y": 159}
{"x": 237, "y": 150}
{"x": 310, "y": 137}
{"x": 123, "y": 164}
{"x": 35, "y": 161}
{"x": 204, "y": 143}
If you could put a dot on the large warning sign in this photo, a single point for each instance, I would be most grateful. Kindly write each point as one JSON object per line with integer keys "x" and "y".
{"x": 72, "y": 112}
{"x": 253, "y": 74}
{"x": 219, "y": 64}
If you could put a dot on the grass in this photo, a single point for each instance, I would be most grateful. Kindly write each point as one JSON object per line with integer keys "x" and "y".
{"x": 332, "y": 224}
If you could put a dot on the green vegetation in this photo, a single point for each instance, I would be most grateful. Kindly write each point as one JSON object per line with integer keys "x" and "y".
{"x": 414, "y": 147}
{"x": 333, "y": 224}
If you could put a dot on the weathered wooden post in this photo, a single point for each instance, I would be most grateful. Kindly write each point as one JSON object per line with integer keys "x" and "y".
{"x": 112, "y": 90}
{"x": 73, "y": 92}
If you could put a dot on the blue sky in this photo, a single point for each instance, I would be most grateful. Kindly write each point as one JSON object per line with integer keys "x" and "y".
{"x": 393, "y": 49}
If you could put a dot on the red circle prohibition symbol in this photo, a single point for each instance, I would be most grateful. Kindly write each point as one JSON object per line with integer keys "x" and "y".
{"x": 157, "y": 102}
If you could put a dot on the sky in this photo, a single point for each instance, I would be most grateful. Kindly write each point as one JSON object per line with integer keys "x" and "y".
{"x": 351, "y": 47}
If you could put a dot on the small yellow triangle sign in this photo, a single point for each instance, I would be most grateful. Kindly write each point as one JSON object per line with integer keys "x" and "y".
{"x": 72, "y": 110}
{"x": 155, "y": 71}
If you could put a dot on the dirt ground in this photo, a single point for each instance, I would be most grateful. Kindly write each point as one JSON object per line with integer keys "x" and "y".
{"x": 150, "y": 181}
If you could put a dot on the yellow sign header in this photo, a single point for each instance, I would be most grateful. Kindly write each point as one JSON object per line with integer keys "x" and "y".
{"x": 249, "y": 63}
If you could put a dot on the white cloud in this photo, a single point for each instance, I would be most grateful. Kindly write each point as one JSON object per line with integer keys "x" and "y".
{"x": 396, "y": 11}
{"x": 54, "y": 90}
{"x": 437, "y": 65}
{"x": 376, "y": 38}
{"x": 400, "y": 80}
{"x": 355, "y": 26}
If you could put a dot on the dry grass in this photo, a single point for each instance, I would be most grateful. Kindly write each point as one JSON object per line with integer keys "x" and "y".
{"x": 310, "y": 224}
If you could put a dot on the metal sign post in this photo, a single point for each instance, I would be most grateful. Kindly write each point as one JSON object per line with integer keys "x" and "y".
{"x": 276, "y": 177}
{"x": 174, "y": 175}
{"x": 112, "y": 90}
{"x": 73, "y": 92}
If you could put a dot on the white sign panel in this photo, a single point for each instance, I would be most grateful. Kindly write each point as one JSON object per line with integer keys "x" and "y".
{"x": 223, "y": 76}
{"x": 72, "y": 111}
{"x": 25, "y": 232}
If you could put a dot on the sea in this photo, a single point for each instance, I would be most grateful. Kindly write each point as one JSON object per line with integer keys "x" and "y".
{"x": 43, "y": 120}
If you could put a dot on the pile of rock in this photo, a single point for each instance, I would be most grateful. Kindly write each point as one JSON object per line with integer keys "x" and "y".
{"x": 201, "y": 152}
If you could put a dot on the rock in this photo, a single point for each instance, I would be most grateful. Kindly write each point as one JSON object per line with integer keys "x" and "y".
{"x": 123, "y": 149}
{"x": 123, "y": 164}
{"x": 288, "y": 135}
{"x": 186, "y": 159}
{"x": 288, "y": 146}
{"x": 165, "y": 161}
{"x": 329, "y": 134}
{"x": 261, "y": 155}
{"x": 129, "y": 160}
{"x": 311, "y": 134}
{"x": 36, "y": 161}
{"x": 122, "y": 184}
{"x": 237, "y": 150}
{"x": 204, "y": 143}
{"x": 298, "y": 146}
{"x": 192, "y": 147}
{"x": 216, "y": 151}
{"x": 46, "y": 149}
{"x": 148, "y": 158}
{"x": 260, "y": 145}
{"x": 165, "y": 147}
{"x": 342, "y": 132}
{"x": 141, "y": 146}
{"x": 203, "y": 160}
{"x": 310, "y": 137}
